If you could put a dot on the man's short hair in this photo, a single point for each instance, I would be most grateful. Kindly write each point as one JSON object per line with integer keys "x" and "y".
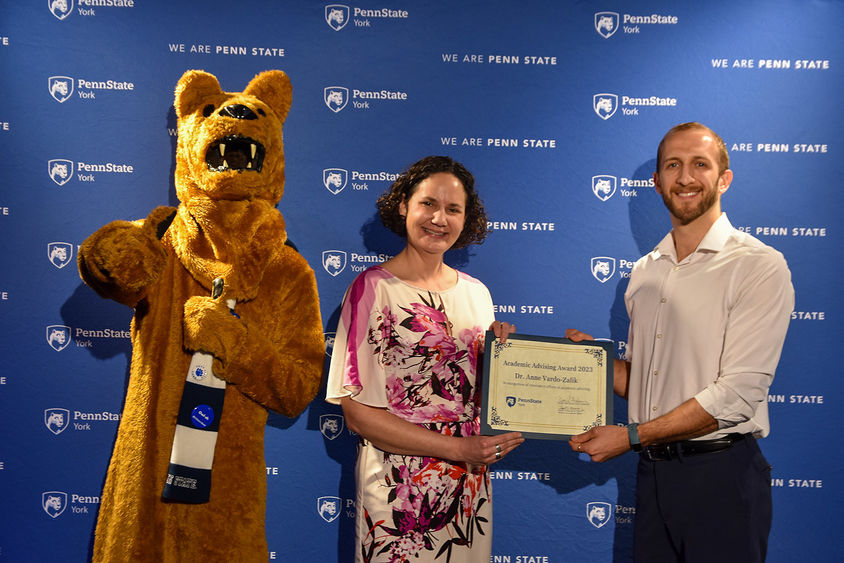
{"x": 723, "y": 156}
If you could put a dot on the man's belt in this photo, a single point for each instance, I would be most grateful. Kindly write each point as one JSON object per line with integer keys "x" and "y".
{"x": 688, "y": 448}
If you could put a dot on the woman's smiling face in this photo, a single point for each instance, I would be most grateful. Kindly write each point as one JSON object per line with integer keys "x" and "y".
{"x": 435, "y": 213}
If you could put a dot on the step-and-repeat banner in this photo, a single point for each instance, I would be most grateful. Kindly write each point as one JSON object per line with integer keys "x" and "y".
{"x": 556, "y": 107}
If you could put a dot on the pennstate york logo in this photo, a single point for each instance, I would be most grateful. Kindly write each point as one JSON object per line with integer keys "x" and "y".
{"x": 331, "y": 425}
{"x": 58, "y": 337}
{"x": 606, "y": 23}
{"x": 334, "y": 261}
{"x": 60, "y": 170}
{"x": 330, "y": 337}
{"x": 336, "y": 16}
{"x": 598, "y": 513}
{"x": 510, "y": 401}
{"x": 54, "y": 503}
{"x": 603, "y": 186}
{"x": 336, "y": 97}
{"x": 605, "y": 105}
{"x": 61, "y": 88}
{"x": 328, "y": 508}
{"x": 56, "y": 420}
{"x": 59, "y": 253}
{"x": 603, "y": 268}
{"x": 60, "y": 8}
{"x": 334, "y": 179}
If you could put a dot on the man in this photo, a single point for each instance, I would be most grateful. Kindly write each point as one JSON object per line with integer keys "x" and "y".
{"x": 709, "y": 308}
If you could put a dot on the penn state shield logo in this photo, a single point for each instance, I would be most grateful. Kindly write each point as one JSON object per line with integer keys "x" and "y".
{"x": 56, "y": 420}
{"x": 603, "y": 186}
{"x": 334, "y": 179}
{"x": 334, "y": 261}
{"x": 605, "y": 105}
{"x": 329, "y": 342}
{"x": 606, "y": 23}
{"x": 510, "y": 401}
{"x": 59, "y": 253}
{"x": 54, "y": 503}
{"x": 61, "y": 88}
{"x": 60, "y": 170}
{"x": 598, "y": 513}
{"x": 336, "y": 16}
{"x": 328, "y": 508}
{"x": 58, "y": 337}
{"x": 60, "y": 8}
{"x": 603, "y": 268}
{"x": 336, "y": 97}
{"x": 331, "y": 425}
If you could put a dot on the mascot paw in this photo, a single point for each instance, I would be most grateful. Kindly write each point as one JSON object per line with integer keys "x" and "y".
{"x": 121, "y": 259}
{"x": 210, "y": 327}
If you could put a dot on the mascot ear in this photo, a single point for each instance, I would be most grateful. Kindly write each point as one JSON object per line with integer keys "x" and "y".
{"x": 273, "y": 88}
{"x": 194, "y": 89}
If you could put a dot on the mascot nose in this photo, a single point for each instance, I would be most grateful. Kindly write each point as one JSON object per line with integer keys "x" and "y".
{"x": 239, "y": 111}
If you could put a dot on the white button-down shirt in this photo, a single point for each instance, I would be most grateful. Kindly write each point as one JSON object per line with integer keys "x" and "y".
{"x": 710, "y": 327}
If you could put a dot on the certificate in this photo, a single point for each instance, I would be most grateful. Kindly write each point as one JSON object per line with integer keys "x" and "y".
{"x": 549, "y": 388}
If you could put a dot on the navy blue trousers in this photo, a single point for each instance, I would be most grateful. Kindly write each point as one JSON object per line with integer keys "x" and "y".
{"x": 707, "y": 508}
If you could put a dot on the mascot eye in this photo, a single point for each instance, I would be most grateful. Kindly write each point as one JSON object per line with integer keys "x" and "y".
{"x": 262, "y": 112}
{"x": 208, "y": 110}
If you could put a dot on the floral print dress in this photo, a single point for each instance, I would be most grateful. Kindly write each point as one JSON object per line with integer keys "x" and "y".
{"x": 415, "y": 353}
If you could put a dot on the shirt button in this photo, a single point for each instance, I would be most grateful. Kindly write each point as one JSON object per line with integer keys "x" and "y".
{"x": 656, "y": 372}
{"x": 663, "y": 300}
{"x": 654, "y": 409}
{"x": 676, "y": 268}
{"x": 659, "y": 335}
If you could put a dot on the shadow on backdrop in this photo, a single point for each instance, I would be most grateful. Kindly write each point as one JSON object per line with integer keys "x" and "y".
{"x": 86, "y": 308}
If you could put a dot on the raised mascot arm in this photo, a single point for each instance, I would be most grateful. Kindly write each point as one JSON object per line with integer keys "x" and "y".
{"x": 123, "y": 258}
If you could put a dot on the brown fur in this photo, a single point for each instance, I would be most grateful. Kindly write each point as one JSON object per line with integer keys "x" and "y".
{"x": 226, "y": 225}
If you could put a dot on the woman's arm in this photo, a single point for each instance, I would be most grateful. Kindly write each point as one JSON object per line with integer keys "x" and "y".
{"x": 395, "y": 435}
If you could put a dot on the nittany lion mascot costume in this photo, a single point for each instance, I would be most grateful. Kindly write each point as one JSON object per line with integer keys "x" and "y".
{"x": 187, "y": 479}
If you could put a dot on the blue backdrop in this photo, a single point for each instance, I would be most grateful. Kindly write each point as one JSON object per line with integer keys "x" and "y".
{"x": 556, "y": 107}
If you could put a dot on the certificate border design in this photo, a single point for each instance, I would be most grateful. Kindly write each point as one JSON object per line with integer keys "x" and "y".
{"x": 493, "y": 348}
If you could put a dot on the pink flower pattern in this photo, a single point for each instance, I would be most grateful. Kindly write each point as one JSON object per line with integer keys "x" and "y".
{"x": 430, "y": 380}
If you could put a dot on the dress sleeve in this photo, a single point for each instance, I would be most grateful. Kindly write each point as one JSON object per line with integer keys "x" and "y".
{"x": 355, "y": 370}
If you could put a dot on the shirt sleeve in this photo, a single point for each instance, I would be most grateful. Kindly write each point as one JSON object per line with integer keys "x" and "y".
{"x": 753, "y": 340}
{"x": 354, "y": 370}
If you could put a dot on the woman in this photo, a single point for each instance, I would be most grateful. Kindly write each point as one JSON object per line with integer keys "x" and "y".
{"x": 403, "y": 368}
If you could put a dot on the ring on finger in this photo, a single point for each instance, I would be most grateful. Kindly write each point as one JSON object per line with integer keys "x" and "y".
{"x": 497, "y": 455}
{"x": 498, "y": 448}
{"x": 580, "y": 446}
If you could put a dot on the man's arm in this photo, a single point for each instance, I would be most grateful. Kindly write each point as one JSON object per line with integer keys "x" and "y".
{"x": 621, "y": 369}
{"x": 687, "y": 421}
{"x": 753, "y": 340}
{"x": 620, "y": 377}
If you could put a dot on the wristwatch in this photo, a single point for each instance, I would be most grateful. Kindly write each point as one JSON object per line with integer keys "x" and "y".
{"x": 633, "y": 436}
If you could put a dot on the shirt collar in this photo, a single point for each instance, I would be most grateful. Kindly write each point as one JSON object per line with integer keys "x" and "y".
{"x": 714, "y": 239}
{"x": 717, "y": 235}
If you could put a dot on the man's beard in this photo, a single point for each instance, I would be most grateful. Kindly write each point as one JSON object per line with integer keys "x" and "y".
{"x": 685, "y": 214}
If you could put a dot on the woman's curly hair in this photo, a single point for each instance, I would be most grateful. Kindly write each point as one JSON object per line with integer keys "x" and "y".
{"x": 475, "y": 226}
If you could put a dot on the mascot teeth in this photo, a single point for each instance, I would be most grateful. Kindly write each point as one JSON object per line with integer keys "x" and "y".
{"x": 235, "y": 153}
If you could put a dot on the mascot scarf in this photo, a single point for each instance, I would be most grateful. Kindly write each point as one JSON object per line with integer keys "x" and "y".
{"x": 192, "y": 455}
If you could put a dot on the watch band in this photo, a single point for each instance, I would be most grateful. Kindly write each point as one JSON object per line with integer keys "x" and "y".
{"x": 633, "y": 436}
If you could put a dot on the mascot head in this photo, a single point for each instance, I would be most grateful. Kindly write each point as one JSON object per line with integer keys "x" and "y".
{"x": 230, "y": 143}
